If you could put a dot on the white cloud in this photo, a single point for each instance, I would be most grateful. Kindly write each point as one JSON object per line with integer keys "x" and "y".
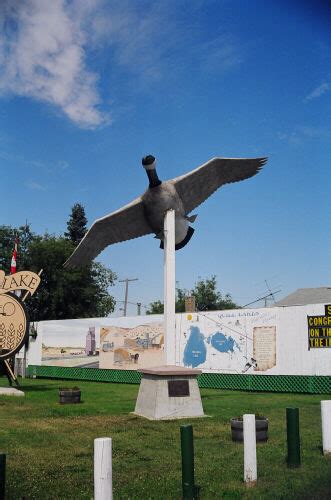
{"x": 62, "y": 165}
{"x": 301, "y": 133}
{"x": 33, "y": 164}
{"x": 47, "y": 45}
{"x": 221, "y": 53}
{"x": 318, "y": 91}
{"x": 35, "y": 186}
{"x": 42, "y": 56}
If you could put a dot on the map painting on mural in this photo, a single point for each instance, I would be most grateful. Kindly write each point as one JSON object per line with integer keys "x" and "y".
{"x": 233, "y": 341}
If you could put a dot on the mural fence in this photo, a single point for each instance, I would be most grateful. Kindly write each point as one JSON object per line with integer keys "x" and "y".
{"x": 276, "y": 348}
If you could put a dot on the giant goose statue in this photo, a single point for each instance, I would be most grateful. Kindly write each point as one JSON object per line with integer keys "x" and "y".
{"x": 145, "y": 214}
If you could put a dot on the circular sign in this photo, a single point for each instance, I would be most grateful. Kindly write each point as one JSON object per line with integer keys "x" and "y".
{"x": 14, "y": 325}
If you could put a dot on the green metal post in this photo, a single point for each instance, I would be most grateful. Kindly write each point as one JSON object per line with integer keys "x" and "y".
{"x": 2, "y": 476}
{"x": 186, "y": 438}
{"x": 293, "y": 437}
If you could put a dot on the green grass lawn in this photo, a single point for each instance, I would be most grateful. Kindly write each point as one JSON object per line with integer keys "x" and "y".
{"x": 49, "y": 446}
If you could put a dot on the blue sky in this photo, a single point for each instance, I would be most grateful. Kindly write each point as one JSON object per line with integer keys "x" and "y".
{"x": 88, "y": 87}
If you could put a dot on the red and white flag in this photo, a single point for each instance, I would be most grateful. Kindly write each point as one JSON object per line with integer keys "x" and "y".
{"x": 14, "y": 258}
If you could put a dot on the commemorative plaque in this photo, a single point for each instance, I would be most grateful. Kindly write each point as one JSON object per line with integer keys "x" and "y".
{"x": 178, "y": 388}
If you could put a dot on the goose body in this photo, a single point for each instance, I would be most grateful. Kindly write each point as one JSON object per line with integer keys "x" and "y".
{"x": 157, "y": 201}
{"x": 145, "y": 214}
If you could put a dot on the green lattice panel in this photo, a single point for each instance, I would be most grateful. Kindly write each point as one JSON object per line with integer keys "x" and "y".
{"x": 284, "y": 383}
{"x": 267, "y": 383}
{"x": 92, "y": 374}
{"x": 322, "y": 385}
{"x": 223, "y": 381}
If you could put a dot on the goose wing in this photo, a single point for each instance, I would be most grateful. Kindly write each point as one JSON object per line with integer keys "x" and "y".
{"x": 196, "y": 186}
{"x": 125, "y": 224}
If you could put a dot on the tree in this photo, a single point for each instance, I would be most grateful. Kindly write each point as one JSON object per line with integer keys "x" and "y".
{"x": 181, "y": 294}
{"x": 67, "y": 294}
{"x": 76, "y": 224}
{"x": 207, "y": 298}
{"x": 155, "y": 308}
{"x": 7, "y": 241}
{"x": 62, "y": 294}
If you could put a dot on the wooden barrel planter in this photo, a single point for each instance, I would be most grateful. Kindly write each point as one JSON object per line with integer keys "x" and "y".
{"x": 69, "y": 396}
{"x": 261, "y": 429}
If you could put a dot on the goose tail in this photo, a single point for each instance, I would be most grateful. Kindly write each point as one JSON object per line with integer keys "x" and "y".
{"x": 182, "y": 243}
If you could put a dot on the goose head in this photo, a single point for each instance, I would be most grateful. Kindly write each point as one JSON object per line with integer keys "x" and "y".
{"x": 149, "y": 163}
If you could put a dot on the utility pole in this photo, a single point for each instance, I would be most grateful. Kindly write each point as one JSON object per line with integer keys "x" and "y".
{"x": 126, "y": 281}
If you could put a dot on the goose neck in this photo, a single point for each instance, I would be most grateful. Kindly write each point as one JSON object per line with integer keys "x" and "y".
{"x": 153, "y": 178}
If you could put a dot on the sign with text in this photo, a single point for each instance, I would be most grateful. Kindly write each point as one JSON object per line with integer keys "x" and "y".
{"x": 23, "y": 280}
{"x": 264, "y": 347}
{"x": 319, "y": 330}
{"x": 14, "y": 318}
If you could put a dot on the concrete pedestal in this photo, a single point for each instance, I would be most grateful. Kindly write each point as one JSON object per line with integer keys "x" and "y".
{"x": 10, "y": 391}
{"x": 169, "y": 392}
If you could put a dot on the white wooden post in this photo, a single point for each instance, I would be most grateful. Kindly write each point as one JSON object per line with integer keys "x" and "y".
{"x": 103, "y": 476}
{"x": 250, "y": 468}
{"x": 169, "y": 287}
{"x": 326, "y": 426}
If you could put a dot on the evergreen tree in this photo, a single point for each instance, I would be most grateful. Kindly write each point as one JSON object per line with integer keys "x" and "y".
{"x": 76, "y": 224}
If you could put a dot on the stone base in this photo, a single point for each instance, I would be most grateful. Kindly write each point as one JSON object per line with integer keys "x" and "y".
{"x": 10, "y": 391}
{"x": 169, "y": 393}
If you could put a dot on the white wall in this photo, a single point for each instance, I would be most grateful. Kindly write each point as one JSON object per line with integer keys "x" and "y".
{"x": 238, "y": 329}
{"x": 218, "y": 341}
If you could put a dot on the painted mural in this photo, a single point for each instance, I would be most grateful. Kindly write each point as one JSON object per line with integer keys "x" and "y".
{"x": 121, "y": 343}
{"x": 132, "y": 348}
{"x": 235, "y": 341}
{"x": 72, "y": 343}
{"x": 266, "y": 341}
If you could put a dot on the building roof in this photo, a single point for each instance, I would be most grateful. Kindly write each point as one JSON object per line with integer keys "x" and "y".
{"x": 304, "y": 296}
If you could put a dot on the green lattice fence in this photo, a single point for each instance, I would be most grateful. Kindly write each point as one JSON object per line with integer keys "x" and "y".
{"x": 268, "y": 383}
{"x": 92, "y": 374}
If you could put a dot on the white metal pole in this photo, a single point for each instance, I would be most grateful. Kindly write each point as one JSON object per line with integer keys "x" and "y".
{"x": 326, "y": 426}
{"x": 169, "y": 287}
{"x": 250, "y": 468}
{"x": 103, "y": 476}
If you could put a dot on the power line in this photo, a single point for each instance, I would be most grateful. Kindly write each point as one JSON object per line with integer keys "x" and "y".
{"x": 262, "y": 298}
{"x": 133, "y": 303}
